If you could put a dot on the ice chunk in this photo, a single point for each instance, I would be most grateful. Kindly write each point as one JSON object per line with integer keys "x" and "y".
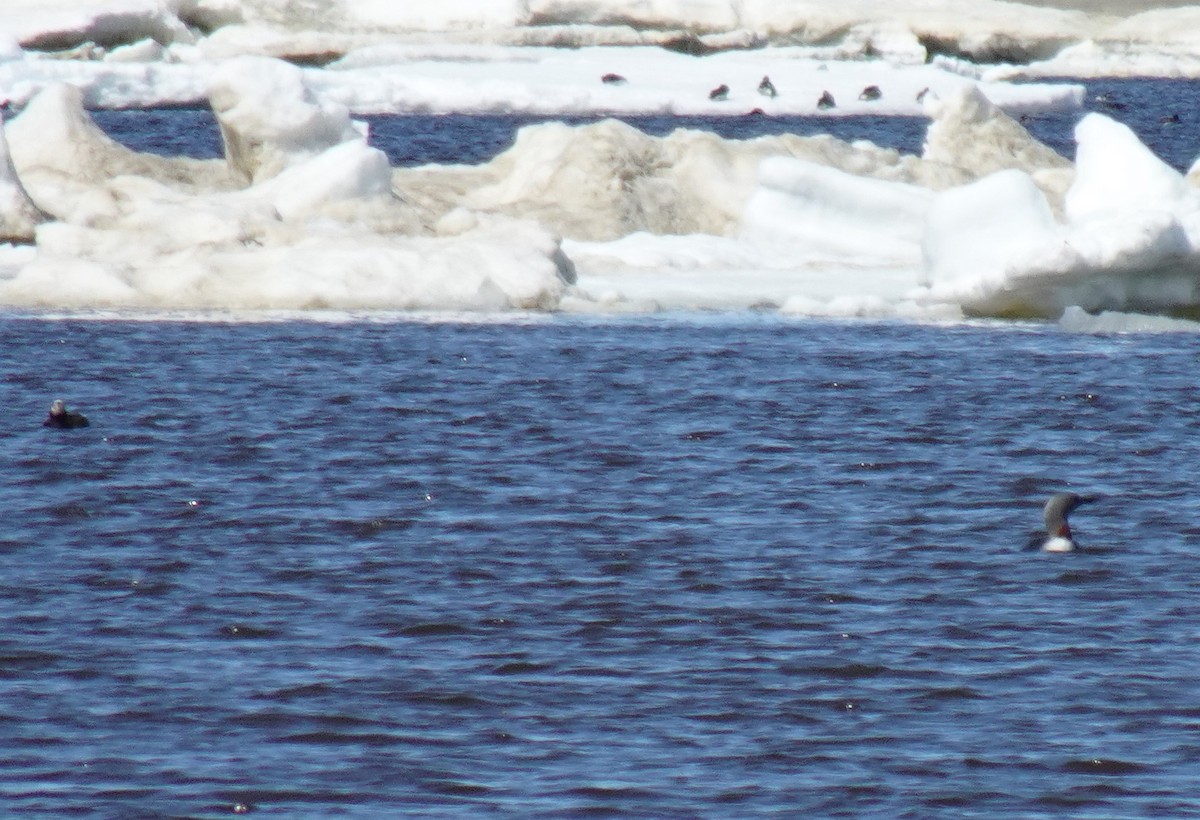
{"x": 269, "y": 119}
{"x": 1156, "y": 43}
{"x": 51, "y": 25}
{"x": 1115, "y": 175}
{"x": 143, "y": 232}
{"x": 974, "y": 235}
{"x": 131, "y": 265}
{"x": 606, "y": 180}
{"x": 995, "y": 248}
{"x": 970, "y": 132}
{"x": 62, "y": 158}
{"x": 18, "y": 215}
{"x": 830, "y": 211}
{"x": 345, "y": 172}
{"x": 10, "y": 49}
{"x": 1076, "y": 320}
{"x": 143, "y": 51}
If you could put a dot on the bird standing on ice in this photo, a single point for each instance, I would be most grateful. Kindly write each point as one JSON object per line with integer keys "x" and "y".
{"x": 719, "y": 93}
{"x": 767, "y": 88}
{"x": 1058, "y": 531}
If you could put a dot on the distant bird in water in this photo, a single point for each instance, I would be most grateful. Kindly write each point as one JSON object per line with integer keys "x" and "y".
{"x": 1057, "y": 537}
{"x": 870, "y": 93}
{"x": 63, "y": 418}
{"x": 1170, "y": 119}
{"x": 767, "y": 88}
{"x": 719, "y": 93}
{"x": 826, "y": 101}
{"x": 613, "y": 79}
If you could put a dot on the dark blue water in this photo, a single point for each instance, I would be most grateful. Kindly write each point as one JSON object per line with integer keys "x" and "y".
{"x": 720, "y": 567}
{"x": 415, "y": 140}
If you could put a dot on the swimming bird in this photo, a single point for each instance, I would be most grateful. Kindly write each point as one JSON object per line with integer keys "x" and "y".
{"x": 613, "y": 79}
{"x": 826, "y": 101}
{"x": 1058, "y": 531}
{"x": 767, "y": 88}
{"x": 870, "y": 93}
{"x": 719, "y": 93}
{"x": 62, "y": 418}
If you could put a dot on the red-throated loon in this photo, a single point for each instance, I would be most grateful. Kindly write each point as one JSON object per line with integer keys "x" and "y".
{"x": 1058, "y": 531}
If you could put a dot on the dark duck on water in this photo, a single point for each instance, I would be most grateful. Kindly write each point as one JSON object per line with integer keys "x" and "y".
{"x": 63, "y": 418}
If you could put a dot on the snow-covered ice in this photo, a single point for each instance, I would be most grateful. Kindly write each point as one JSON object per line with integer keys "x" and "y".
{"x": 302, "y": 213}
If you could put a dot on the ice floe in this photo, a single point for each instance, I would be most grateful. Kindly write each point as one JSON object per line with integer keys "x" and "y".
{"x": 302, "y": 213}
{"x": 323, "y": 228}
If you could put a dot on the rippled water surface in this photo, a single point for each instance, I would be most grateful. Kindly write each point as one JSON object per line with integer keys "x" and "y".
{"x": 663, "y": 567}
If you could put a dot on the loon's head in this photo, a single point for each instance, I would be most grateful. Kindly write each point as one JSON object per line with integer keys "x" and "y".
{"x": 1055, "y": 514}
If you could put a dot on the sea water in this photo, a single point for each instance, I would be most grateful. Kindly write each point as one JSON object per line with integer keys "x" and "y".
{"x": 665, "y": 566}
